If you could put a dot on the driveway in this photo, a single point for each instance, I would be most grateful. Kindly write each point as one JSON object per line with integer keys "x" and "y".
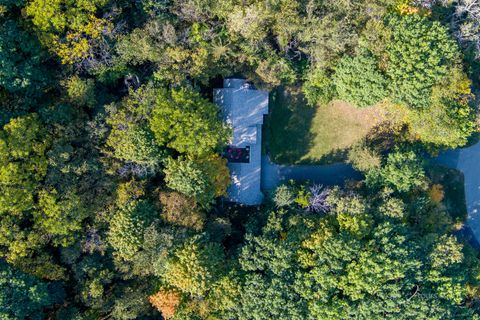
{"x": 468, "y": 161}
{"x": 334, "y": 174}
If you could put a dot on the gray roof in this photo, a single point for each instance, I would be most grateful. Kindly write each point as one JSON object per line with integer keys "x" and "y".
{"x": 243, "y": 108}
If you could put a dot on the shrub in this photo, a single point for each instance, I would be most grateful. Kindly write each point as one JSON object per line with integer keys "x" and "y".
{"x": 283, "y": 196}
{"x": 303, "y": 198}
{"x": 318, "y": 88}
{"x": 318, "y": 199}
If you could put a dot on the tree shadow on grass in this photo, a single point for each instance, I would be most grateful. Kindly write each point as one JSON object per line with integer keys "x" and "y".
{"x": 287, "y": 126}
{"x": 334, "y": 156}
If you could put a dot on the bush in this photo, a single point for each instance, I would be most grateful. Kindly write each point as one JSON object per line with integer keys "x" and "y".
{"x": 284, "y": 196}
{"x": 318, "y": 88}
{"x": 303, "y": 198}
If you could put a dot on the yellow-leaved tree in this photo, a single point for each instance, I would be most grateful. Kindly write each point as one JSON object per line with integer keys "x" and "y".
{"x": 68, "y": 27}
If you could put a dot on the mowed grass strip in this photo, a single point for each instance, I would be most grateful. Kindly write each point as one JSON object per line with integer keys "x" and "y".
{"x": 299, "y": 134}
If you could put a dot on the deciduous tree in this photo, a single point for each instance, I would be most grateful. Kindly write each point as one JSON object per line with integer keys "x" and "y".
{"x": 184, "y": 121}
{"x": 419, "y": 55}
{"x": 358, "y": 80}
{"x": 23, "y": 296}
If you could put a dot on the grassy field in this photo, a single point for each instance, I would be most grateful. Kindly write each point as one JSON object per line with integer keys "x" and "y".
{"x": 297, "y": 133}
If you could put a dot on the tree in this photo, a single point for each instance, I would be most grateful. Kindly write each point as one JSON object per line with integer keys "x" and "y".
{"x": 467, "y": 25}
{"x": 130, "y": 139}
{"x": 184, "y": 121}
{"x": 81, "y": 92}
{"x": 283, "y": 196}
{"x": 23, "y": 296}
{"x": 419, "y": 54}
{"x": 60, "y": 217}
{"x": 202, "y": 179}
{"x": 359, "y": 81}
{"x": 68, "y": 27}
{"x": 166, "y": 302}
{"x": 216, "y": 169}
{"x": 402, "y": 171}
{"x": 131, "y": 302}
{"x": 263, "y": 298}
{"x": 311, "y": 266}
{"x": 136, "y": 144}
{"x": 275, "y": 71}
{"x": 447, "y": 251}
{"x": 363, "y": 158}
{"x": 35, "y": 216}
{"x": 158, "y": 243}
{"x": 111, "y": 185}
{"x": 180, "y": 210}
{"x": 195, "y": 266}
{"x": 449, "y": 121}
{"x": 23, "y": 164}
{"x": 94, "y": 275}
{"x": 22, "y": 61}
{"x": 127, "y": 226}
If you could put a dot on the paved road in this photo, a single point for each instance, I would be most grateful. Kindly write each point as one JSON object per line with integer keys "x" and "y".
{"x": 468, "y": 161}
{"x": 335, "y": 174}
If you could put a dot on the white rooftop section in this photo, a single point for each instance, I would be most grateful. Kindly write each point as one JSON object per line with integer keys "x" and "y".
{"x": 243, "y": 108}
{"x": 245, "y": 135}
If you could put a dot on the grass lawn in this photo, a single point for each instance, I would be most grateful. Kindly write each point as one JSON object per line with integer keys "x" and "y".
{"x": 454, "y": 190}
{"x": 297, "y": 133}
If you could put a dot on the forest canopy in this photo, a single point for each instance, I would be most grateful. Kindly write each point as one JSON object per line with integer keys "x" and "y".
{"x": 112, "y": 180}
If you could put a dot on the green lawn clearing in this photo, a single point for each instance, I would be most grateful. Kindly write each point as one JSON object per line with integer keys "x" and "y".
{"x": 297, "y": 133}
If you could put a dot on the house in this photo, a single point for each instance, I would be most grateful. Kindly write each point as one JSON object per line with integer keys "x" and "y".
{"x": 243, "y": 108}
